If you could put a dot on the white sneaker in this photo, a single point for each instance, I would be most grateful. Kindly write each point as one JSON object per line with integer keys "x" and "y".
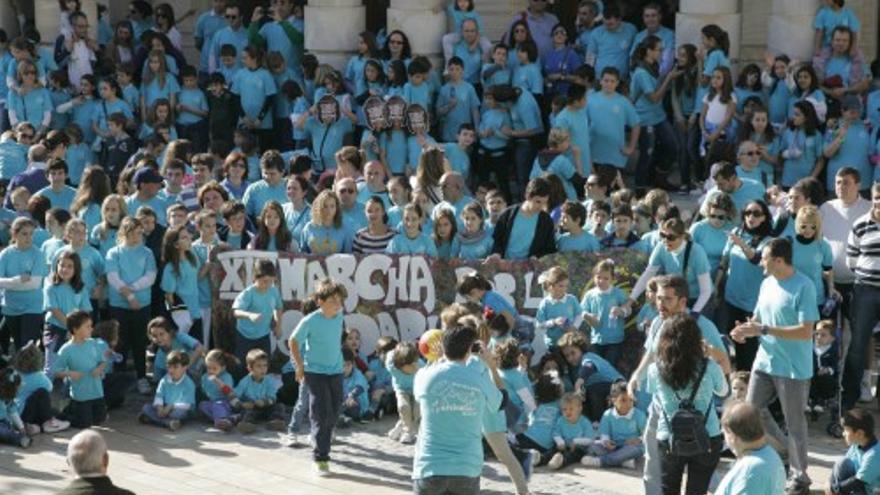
{"x": 290, "y": 440}
{"x": 32, "y": 429}
{"x": 322, "y": 468}
{"x": 144, "y": 387}
{"x": 407, "y": 438}
{"x": 590, "y": 461}
{"x": 55, "y": 425}
{"x": 629, "y": 464}
{"x": 396, "y": 432}
{"x": 556, "y": 461}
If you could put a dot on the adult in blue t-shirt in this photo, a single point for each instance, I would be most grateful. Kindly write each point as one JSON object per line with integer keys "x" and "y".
{"x": 758, "y": 469}
{"x": 610, "y": 43}
{"x": 783, "y": 321}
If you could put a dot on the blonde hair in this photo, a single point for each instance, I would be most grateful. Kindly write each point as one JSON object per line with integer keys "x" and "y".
{"x": 128, "y": 224}
{"x": 318, "y": 209}
{"x": 552, "y": 276}
{"x": 810, "y": 214}
{"x": 556, "y": 137}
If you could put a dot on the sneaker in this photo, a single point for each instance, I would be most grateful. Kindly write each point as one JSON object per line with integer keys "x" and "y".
{"x": 396, "y": 432}
{"x": 556, "y": 461}
{"x": 378, "y": 414}
{"x": 818, "y": 409}
{"x": 144, "y": 387}
{"x": 795, "y": 487}
{"x": 322, "y": 468}
{"x": 174, "y": 425}
{"x": 143, "y": 419}
{"x": 55, "y": 425}
{"x": 590, "y": 461}
{"x": 276, "y": 425}
{"x": 407, "y": 438}
{"x": 246, "y": 428}
{"x": 25, "y": 441}
{"x": 536, "y": 458}
{"x": 224, "y": 425}
{"x": 291, "y": 440}
{"x": 32, "y": 429}
{"x": 629, "y": 464}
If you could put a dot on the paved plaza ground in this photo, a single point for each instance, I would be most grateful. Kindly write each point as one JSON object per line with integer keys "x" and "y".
{"x": 199, "y": 459}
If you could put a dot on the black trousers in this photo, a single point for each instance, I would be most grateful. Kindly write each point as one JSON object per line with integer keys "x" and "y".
{"x": 86, "y": 413}
{"x": 22, "y": 329}
{"x": 699, "y": 468}
{"x": 133, "y": 336}
{"x": 38, "y": 408}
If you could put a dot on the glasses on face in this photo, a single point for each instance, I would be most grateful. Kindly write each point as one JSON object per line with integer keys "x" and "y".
{"x": 717, "y": 217}
{"x": 667, "y": 236}
{"x": 749, "y": 153}
{"x": 754, "y": 213}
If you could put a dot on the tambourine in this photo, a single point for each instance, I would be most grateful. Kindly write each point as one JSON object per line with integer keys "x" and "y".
{"x": 328, "y": 110}
{"x": 395, "y": 111}
{"x": 374, "y": 110}
{"x": 417, "y": 119}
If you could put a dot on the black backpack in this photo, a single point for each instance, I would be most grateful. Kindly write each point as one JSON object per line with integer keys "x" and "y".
{"x": 687, "y": 426}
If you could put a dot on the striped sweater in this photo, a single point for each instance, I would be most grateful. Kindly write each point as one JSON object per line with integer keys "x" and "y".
{"x": 863, "y": 250}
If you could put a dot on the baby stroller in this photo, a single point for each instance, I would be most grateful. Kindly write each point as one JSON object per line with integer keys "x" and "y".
{"x": 825, "y": 387}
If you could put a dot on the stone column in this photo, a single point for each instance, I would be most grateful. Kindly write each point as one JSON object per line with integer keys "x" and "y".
{"x": 790, "y": 27}
{"x": 422, "y": 26}
{"x": 332, "y": 28}
{"x": 47, "y": 18}
{"x": 694, "y": 14}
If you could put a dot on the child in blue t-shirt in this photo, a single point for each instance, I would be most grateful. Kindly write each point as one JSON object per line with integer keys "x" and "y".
{"x": 81, "y": 361}
{"x": 558, "y": 312}
{"x": 648, "y": 312}
{"x": 116, "y": 383}
{"x": 63, "y": 293}
{"x": 192, "y": 110}
{"x": 575, "y": 238}
{"x": 379, "y": 378}
{"x": 573, "y": 433}
{"x": 412, "y": 240}
{"x": 12, "y": 429}
{"x": 532, "y": 446}
{"x": 355, "y": 390}
{"x": 521, "y": 397}
{"x": 22, "y": 268}
{"x": 175, "y": 398}
{"x": 858, "y": 471}
{"x": 33, "y": 398}
{"x": 257, "y": 309}
{"x": 590, "y": 374}
{"x": 620, "y": 433}
{"x": 492, "y": 151}
{"x": 418, "y": 89}
{"x": 605, "y": 310}
{"x": 403, "y": 363}
{"x": 218, "y": 387}
{"x": 164, "y": 335}
{"x": 474, "y": 242}
{"x": 257, "y": 395}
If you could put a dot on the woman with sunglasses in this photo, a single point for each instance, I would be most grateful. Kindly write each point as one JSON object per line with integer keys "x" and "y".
{"x": 811, "y": 254}
{"x": 397, "y": 47}
{"x": 740, "y": 266}
{"x": 519, "y": 33}
{"x": 31, "y": 102}
{"x": 711, "y": 232}
{"x": 678, "y": 254}
{"x": 560, "y": 63}
{"x": 166, "y": 24}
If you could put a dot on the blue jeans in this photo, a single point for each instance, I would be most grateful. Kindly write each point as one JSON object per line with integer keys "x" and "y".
{"x": 447, "y": 485}
{"x": 865, "y": 314}
{"x": 324, "y": 405}
{"x": 616, "y": 457}
{"x": 149, "y": 410}
{"x": 300, "y": 410}
{"x": 9, "y": 435}
{"x": 523, "y": 157}
{"x": 651, "y": 159}
{"x": 843, "y": 470}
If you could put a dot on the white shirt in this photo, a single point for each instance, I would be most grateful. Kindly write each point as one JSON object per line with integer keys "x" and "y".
{"x": 80, "y": 62}
{"x": 837, "y": 222}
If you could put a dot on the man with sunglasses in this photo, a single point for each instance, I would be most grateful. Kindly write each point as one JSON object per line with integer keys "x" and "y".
{"x": 233, "y": 34}
{"x": 783, "y": 322}
{"x": 742, "y": 190}
{"x": 354, "y": 217}
{"x": 540, "y": 24}
{"x": 749, "y": 159}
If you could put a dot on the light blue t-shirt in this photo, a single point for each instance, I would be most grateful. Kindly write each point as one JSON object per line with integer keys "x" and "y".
{"x": 584, "y": 242}
{"x": 550, "y": 309}
{"x": 326, "y": 140}
{"x": 867, "y": 464}
{"x": 472, "y": 59}
{"x": 255, "y": 87}
{"x": 743, "y": 276}
{"x": 458, "y": 158}
{"x": 192, "y": 98}
{"x": 853, "y": 152}
{"x": 673, "y": 263}
{"x": 77, "y": 157}
{"x": 15, "y": 262}
{"x": 393, "y": 143}
{"x": 130, "y": 264}
{"x": 827, "y": 19}
{"x": 178, "y": 394}
{"x": 495, "y": 119}
{"x": 610, "y": 116}
{"x": 811, "y": 147}
{"x": 157, "y": 203}
{"x": 707, "y": 329}
{"x": 185, "y": 284}
{"x": 580, "y": 430}
{"x": 577, "y": 123}
{"x": 92, "y": 265}
{"x": 812, "y": 259}
{"x": 758, "y": 472}
{"x": 599, "y": 303}
{"x": 541, "y": 423}
{"x": 104, "y": 109}
{"x": 254, "y": 301}
{"x": 619, "y": 428}
{"x": 153, "y": 90}
{"x": 750, "y": 190}
{"x": 58, "y": 199}
{"x": 351, "y": 382}
{"x": 83, "y": 358}
{"x": 65, "y": 299}
{"x": 207, "y": 25}
{"x": 528, "y": 77}
{"x": 466, "y": 102}
{"x": 559, "y": 166}
{"x": 277, "y": 40}
{"x": 319, "y": 340}
{"x": 250, "y": 390}
{"x": 261, "y": 192}
{"x": 521, "y": 235}
{"x": 667, "y": 400}
{"x": 318, "y": 239}
{"x": 31, "y": 107}
{"x": 403, "y": 244}
{"x": 452, "y": 397}
{"x": 226, "y": 36}
{"x": 296, "y": 220}
{"x": 611, "y": 48}
{"x": 420, "y": 94}
{"x": 712, "y": 240}
{"x": 641, "y": 86}
{"x": 180, "y": 342}
{"x": 783, "y": 303}
{"x": 211, "y": 390}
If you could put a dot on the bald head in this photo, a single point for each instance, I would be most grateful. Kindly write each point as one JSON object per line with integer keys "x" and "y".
{"x": 87, "y": 454}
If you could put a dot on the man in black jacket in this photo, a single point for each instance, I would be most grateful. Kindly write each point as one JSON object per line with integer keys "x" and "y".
{"x": 87, "y": 455}
{"x": 526, "y": 230}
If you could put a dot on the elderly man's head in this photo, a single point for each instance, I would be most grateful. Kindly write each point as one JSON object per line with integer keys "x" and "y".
{"x": 87, "y": 454}
{"x": 470, "y": 31}
{"x": 346, "y": 189}
{"x": 841, "y": 40}
{"x": 452, "y": 185}
{"x": 749, "y": 155}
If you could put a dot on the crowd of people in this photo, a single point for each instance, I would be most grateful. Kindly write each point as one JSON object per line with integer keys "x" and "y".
{"x": 124, "y": 164}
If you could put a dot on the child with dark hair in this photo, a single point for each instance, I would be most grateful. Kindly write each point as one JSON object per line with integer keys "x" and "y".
{"x": 81, "y": 361}
{"x": 218, "y": 387}
{"x": 224, "y": 109}
{"x": 12, "y": 429}
{"x": 532, "y": 446}
{"x": 192, "y": 110}
{"x": 175, "y": 398}
{"x": 620, "y": 432}
{"x": 521, "y": 397}
{"x": 381, "y": 389}
{"x": 858, "y": 470}
{"x": 355, "y": 390}
{"x": 257, "y": 310}
{"x": 823, "y": 385}
{"x": 402, "y": 363}
{"x": 64, "y": 293}
{"x": 257, "y": 395}
{"x": 116, "y": 383}
{"x": 593, "y": 376}
{"x": 33, "y": 397}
